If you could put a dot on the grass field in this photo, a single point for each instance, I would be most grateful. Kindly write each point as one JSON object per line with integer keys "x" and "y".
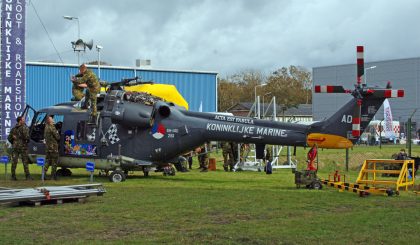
{"x": 217, "y": 208}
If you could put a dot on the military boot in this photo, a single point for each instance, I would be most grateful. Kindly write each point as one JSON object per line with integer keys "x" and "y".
{"x": 29, "y": 177}
{"x": 13, "y": 177}
{"x": 225, "y": 168}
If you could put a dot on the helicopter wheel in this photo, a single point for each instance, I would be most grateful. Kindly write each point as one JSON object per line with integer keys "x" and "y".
{"x": 60, "y": 172}
{"x": 169, "y": 171}
{"x": 316, "y": 185}
{"x": 64, "y": 172}
{"x": 117, "y": 176}
{"x": 67, "y": 172}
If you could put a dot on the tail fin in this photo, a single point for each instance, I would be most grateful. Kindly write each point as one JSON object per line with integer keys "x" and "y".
{"x": 341, "y": 123}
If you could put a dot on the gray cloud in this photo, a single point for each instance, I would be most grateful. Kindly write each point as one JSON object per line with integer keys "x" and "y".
{"x": 227, "y": 36}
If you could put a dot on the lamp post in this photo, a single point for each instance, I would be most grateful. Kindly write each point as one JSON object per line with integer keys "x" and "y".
{"x": 263, "y": 102}
{"x": 98, "y": 48}
{"x": 78, "y": 32}
{"x": 257, "y": 102}
{"x": 369, "y": 68}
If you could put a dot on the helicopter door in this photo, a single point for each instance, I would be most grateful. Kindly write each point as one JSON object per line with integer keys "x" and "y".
{"x": 29, "y": 114}
{"x": 36, "y": 133}
{"x": 37, "y": 127}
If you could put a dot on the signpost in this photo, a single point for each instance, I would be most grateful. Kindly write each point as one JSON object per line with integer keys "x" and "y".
{"x": 5, "y": 161}
{"x": 40, "y": 161}
{"x": 90, "y": 167}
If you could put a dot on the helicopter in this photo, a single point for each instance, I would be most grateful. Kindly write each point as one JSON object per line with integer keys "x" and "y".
{"x": 136, "y": 131}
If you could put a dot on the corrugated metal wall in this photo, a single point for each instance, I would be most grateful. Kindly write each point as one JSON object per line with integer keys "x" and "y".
{"x": 49, "y": 84}
{"x": 403, "y": 74}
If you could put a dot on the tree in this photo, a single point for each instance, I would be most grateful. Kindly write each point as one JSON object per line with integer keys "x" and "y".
{"x": 238, "y": 88}
{"x": 291, "y": 86}
{"x": 228, "y": 94}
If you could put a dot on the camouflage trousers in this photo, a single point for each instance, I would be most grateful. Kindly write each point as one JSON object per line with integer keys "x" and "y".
{"x": 51, "y": 160}
{"x": 228, "y": 159}
{"x": 92, "y": 100}
{"x": 77, "y": 93}
{"x": 23, "y": 153}
{"x": 204, "y": 161}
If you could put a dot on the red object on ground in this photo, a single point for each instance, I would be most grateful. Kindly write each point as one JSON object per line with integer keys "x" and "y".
{"x": 311, "y": 158}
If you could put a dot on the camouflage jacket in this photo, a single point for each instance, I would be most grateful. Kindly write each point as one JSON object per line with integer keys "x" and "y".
{"x": 11, "y": 136}
{"x": 51, "y": 138}
{"x": 20, "y": 136}
{"x": 91, "y": 81}
{"x": 226, "y": 147}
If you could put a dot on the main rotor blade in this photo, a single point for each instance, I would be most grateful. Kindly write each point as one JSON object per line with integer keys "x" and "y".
{"x": 330, "y": 89}
{"x": 360, "y": 64}
{"x": 386, "y": 93}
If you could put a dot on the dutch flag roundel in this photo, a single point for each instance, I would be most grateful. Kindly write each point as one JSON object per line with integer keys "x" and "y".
{"x": 158, "y": 131}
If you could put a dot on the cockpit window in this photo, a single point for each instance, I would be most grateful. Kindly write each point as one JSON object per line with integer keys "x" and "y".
{"x": 79, "y": 103}
{"x": 38, "y": 125}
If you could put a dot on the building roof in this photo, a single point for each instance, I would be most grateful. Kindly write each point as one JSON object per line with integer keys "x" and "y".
{"x": 300, "y": 110}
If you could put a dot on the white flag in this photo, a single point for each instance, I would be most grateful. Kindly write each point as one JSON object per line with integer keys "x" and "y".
{"x": 389, "y": 131}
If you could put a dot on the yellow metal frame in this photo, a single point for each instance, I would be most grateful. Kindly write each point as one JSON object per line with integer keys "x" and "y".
{"x": 373, "y": 169}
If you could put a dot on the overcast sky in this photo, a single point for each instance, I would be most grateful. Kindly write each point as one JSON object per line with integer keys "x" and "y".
{"x": 226, "y": 36}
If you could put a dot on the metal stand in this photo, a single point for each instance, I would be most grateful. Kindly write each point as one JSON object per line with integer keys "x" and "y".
{"x": 5, "y": 170}
{"x": 5, "y": 161}
{"x": 43, "y": 174}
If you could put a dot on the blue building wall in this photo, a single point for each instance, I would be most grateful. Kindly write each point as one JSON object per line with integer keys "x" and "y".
{"x": 49, "y": 84}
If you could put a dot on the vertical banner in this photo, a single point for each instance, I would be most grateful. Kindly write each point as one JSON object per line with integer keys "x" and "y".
{"x": 12, "y": 63}
{"x": 389, "y": 131}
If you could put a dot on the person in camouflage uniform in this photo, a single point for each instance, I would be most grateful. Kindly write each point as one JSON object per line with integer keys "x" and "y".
{"x": 76, "y": 91}
{"x": 235, "y": 154}
{"x": 204, "y": 157}
{"x": 86, "y": 78}
{"x": 244, "y": 152}
{"x": 227, "y": 155}
{"x": 52, "y": 137}
{"x": 269, "y": 153}
{"x": 19, "y": 137}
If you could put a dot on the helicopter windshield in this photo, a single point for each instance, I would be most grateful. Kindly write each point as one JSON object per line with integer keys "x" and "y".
{"x": 79, "y": 103}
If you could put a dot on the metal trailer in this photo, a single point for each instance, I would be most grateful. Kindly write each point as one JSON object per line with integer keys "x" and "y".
{"x": 50, "y": 194}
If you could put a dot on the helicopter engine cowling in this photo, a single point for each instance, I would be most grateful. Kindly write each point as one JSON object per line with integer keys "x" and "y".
{"x": 131, "y": 115}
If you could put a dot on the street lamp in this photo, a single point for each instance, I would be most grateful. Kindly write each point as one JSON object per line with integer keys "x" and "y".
{"x": 98, "y": 48}
{"x": 369, "y": 68}
{"x": 256, "y": 102}
{"x": 263, "y": 102}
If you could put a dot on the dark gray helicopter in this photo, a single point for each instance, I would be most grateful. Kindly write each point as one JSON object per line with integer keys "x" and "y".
{"x": 137, "y": 131}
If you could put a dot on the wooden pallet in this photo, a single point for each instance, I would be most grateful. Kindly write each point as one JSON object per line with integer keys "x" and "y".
{"x": 80, "y": 199}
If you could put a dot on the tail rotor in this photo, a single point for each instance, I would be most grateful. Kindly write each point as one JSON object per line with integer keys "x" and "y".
{"x": 361, "y": 92}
